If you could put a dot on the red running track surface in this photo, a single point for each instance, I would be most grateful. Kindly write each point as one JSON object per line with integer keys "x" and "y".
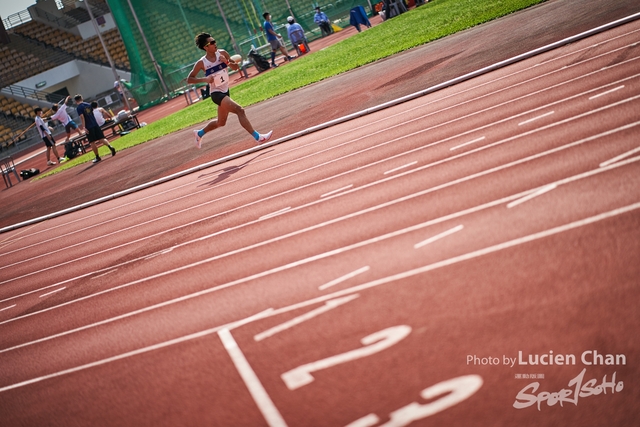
{"x": 446, "y": 261}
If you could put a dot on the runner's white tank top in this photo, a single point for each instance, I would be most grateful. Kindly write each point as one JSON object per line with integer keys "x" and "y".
{"x": 219, "y": 71}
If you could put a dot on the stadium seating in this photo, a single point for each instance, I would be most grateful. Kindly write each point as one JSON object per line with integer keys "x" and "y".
{"x": 15, "y": 116}
{"x": 88, "y": 50}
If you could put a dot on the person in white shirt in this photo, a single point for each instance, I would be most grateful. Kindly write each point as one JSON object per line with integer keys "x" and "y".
{"x": 45, "y": 134}
{"x": 101, "y": 115}
{"x": 60, "y": 114}
{"x": 118, "y": 87}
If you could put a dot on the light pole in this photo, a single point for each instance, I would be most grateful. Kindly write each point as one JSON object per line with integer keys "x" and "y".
{"x": 106, "y": 51}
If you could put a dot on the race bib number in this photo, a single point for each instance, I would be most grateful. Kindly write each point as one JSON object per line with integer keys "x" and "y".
{"x": 220, "y": 79}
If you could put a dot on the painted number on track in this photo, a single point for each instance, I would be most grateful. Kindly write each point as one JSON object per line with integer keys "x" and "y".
{"x": 458, "y": 389}
{"x": 373, "y": 343}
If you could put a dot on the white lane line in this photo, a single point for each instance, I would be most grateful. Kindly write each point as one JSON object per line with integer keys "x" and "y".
{"x": 143, "y": 350}
{"x": 465, "y": 257}
{"x": 343, "y": 278}
{"x": 534, "y": 194}
{"x": 346, "y": 187}
{"x": 276, "y": 213}
{"x": 352, "y": 215}
{"x": 438, "y": 236}
{"x": 12, "y": 238}
{"x": 510, "y": 118}
{"x": 7, "y": 308}
{"x": 251, "y": 380}
{"x": 53, "y": 292}
{"x": 370, "y": 420}
{"x": 341, "y": 194}
{"x": 467, "y": 143}
{"x": 606, "y": 93}
{"x": 620, "y": 157}
{"x": 350, "y": 291}
{"x": 104, "y": 274}
{"x": 502, "y": 89}
{"x": 399, "y": 168}
{"x": 118, "y": 218}
{"x": 536, "y": 118}
{"x": 329, "y": 305}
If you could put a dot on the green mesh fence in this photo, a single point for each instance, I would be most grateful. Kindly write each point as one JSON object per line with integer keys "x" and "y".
{"x": 170, "y": 27}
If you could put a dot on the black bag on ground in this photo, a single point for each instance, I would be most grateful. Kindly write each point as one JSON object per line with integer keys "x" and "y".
{"x": 259, "y": 61}
{"x": 205, "y": 92}
{"x": 72, "y": 149}
{"x": 28, "y": 173}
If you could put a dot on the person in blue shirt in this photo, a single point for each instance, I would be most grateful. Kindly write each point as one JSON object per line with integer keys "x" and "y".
{"x": 323, "y": 22}
{"x": 296, "y": 35}
{"x": 89, "y": 123}
{"x": 358, "y": 16}
{"x": 273, "y": 39}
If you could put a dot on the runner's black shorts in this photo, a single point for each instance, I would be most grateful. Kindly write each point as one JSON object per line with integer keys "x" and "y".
{"x": 217, "y": 97}
{"x": 48, "y": 142}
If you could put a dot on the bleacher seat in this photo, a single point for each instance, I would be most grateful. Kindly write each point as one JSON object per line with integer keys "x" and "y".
{"x": 90, "y": 49}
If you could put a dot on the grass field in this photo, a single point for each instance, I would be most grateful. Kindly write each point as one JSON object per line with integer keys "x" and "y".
{"x": 432, "y": 21}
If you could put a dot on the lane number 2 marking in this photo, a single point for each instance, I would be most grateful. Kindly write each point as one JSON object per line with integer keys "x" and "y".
{"x": 373, "y": 343}
{"x": 458, "y": 389}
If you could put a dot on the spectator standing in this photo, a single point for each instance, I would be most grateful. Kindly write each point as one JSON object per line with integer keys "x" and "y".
{"x": 94, "y": 133}
{"x": 45, "y": 134}
{"x": 357, "y": 17}
{"x": 60, "y": 114}
{"x": 118, "y": 86}
{"x": 273, "y": 39}
{"x": 323, "y": 22}
{"x": 214, "y": 65}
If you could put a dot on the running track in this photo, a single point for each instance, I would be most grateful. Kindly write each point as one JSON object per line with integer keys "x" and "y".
{"x": 367, "y": 274}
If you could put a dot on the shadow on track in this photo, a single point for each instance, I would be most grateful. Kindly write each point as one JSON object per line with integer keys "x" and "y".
{"x": 228, "y": 171}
